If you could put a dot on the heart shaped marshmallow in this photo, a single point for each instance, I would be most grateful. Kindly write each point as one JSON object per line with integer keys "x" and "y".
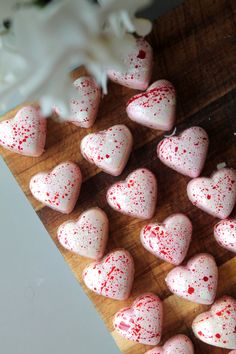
{"x": 136, "y": 196}
{"x": 24, "y": 134}
{"x": 179, "y": 344}
{"x": 142, "y": 322}
{"x": 170, "y": 240}
{"x": 186, "y": 153}
{"x": 87, "y": 236}
{"x": 154, "y": 108}
{"x": 225, "y": 234}
{"x": 197, "y": 281}
{"x": 138, "y": 65}
{"x": 215, "y": 195}
{"x": 84, "y": 106}
{"x": 111, "y": 277}
{"x": 218, "y": 326}
{"x": 58, "y": 189}
{"x": 108, "y": 149}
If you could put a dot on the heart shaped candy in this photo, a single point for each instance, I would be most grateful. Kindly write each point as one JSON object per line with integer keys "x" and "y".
{"x": 218, "y": 326}
{"x": 139, "y": 67}
{"x": 197, "y": 281}
{"x": 136, "y": 196}
{"x": 170, "y": 240}
{"x": 87, "y": 236}
{"x": 111, "y": 277}
{"x": 186, "y": 153}
{"x": 58, "y": 189}
{"x": 154, "y": 108}
{"x": 84, "y": 106}
{"x": 179, "y": 344}
{"x": 142, "y": 322}
{"x": 24, "y": 134}
{"x": 108, "y": 149}
{"x": 232, "y": 352}
{"x": 215, "y": 195}
{"x": 225, "y": 234}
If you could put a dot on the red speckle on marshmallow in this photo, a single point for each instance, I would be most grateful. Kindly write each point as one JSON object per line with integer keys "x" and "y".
{"x": 111, "y": 277}
{"x": 108, "y": 149}
{"x": 154, "y": 108}
{"x": 142, "y": 322}
{"x": 139, "y": 67}
{"x": 215, "y": 195}
{"x": 136, "y": 198}
{"x": 179, "y": 344}
{"x": 58, "y": 189}
{"x": 225, "y": 234}
{"x": 189, "y": 282}
{"x": 170, "y": 240}
{"x": 24, "y": 134}
{"x": 217, "y": 326}
{"x": 84, "y": 106}
{"x": 87, "y": 236}
{"x": 186, "y": 153}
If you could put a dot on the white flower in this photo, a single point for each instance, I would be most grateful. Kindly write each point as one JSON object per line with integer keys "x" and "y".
{"x": 12, "y": 69}
{"x": 49, "y": 42}
{"x": 121, "y": 16}
{"x": 7, "y": 10}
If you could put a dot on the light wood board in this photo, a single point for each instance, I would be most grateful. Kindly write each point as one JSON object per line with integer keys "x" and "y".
{"x": 195, "y": 48}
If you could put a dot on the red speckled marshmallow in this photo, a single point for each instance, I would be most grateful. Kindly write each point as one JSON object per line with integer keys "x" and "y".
{"x": 225, "y": 234}
{"x": 186, "y": 153}
{"x": 197, "y": 281}
{"x": 215, "y": 195}
{"x": 24, "y": 134}
{"x": 136, "y": 196}
{"x": 154, "y": 108}
{"x": 179, "y": 344}
{"x": 108, "y": 149}
{"x": 111, "y": 277}
{"x": 139, "y": 64}
{"x": 142, "y": 322}
{"x": 87, "y": 236}
{"x": 218, "y": 326}
{"x": 84, "y": 106}
{"x": 170, "y": 240}
{"x": 58, "y": 189}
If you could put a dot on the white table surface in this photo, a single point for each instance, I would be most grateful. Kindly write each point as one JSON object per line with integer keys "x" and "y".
{"x": 43, "y": 309}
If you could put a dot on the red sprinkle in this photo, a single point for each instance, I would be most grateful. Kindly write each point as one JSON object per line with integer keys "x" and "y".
{"x": 190, "y": 290}
{"x": 141, "y": 54}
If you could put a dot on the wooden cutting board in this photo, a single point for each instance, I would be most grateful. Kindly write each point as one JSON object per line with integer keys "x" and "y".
{"x": 195, "y": 48}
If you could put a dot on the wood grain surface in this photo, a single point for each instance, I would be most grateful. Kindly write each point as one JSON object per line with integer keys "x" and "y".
{"x": 195, "y": 48}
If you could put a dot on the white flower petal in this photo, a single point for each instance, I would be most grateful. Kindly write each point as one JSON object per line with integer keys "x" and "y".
{"x": 7, "y": 9}
{"x": 121, "y": 16}
{"x": 142, "y": 26}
